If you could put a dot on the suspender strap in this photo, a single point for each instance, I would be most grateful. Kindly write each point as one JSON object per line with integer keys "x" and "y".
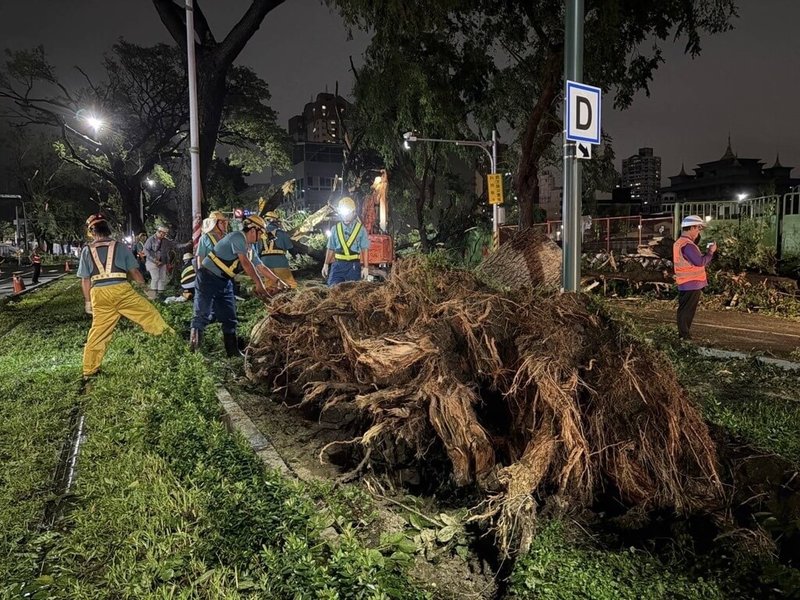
{"x": 269, "y": 247}
{"x": 106, "y": 272}
{"x": 346, "y": 253}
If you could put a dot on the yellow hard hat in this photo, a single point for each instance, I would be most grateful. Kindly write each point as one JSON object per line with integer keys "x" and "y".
{"x": 346, "y": 205}
{"x": 217, "y": 215}
{"x": 254, "y": 222}
{"x": 272, "y": 216}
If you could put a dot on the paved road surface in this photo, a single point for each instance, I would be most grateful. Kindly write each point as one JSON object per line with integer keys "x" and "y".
{"x": 6, "y": 271}
{"x": 728, "y": 330}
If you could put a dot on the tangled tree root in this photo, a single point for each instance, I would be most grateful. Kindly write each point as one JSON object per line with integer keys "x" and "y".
{"x": 525, "y": 395}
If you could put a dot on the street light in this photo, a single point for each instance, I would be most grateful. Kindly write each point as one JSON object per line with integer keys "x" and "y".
{"x": 94, "y": 123}
{"x": 490, "y": 147}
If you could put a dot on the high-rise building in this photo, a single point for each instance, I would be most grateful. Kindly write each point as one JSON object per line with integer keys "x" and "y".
{"x": 642, "y": 174}
{"x": 321, "y": 121}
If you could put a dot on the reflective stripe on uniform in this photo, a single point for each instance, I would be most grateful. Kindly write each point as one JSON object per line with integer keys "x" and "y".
{"x": 188, "y": 275}
{"x": 106, "y": 272}
{"x": 346, "y": 254}
{"x": 685, "y": 271}
{"x": 227, "y": 269}
{"x": 269, "y": 247}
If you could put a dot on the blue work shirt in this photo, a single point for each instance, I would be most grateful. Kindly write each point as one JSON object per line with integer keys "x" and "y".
{"x": 124, "y": 261}
{"x": 279, "y": 240}
{"x": 227, "y": 250}
{"x": 205, "y": 245}
{"x": 360, "y": 243}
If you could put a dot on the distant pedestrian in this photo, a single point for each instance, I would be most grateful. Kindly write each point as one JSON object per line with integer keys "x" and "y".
{"x": 690, "y": 271}
{"x": 158, "y": 249}
{"x": 36, "y": 260}
{"x": 138, "y": 252}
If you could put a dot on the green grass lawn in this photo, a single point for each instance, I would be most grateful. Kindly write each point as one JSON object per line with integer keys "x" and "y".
{"x": 167, "y": 504}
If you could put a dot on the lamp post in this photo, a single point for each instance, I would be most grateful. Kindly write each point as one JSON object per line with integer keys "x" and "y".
{"x": 489, "y": 147}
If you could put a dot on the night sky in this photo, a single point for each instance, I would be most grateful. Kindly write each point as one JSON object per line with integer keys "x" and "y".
{"x": 745, "y": 82}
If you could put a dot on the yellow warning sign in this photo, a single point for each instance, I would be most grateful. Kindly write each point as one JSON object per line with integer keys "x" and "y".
{"x": 495, "y": 185}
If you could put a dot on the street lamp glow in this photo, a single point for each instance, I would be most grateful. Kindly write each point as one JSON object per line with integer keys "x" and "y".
{"x": 150, "y": 182}
{"x": 406, "y": 145}
{"x": 742, "y": 197}
{"x": 94, "y": 123}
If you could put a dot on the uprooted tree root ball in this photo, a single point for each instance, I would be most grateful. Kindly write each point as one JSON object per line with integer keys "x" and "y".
{"x": 527, "y": 396}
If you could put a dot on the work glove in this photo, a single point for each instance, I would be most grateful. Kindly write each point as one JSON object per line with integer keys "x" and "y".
{"x": 325, "y": 269}
{"x": 365, "y": 273}
{"x": 87, "y": 307}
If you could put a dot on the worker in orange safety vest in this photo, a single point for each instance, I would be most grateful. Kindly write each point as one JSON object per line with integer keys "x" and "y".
{"x": 690, "y": 271}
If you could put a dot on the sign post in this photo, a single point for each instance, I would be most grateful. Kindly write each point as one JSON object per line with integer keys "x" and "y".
{"x": 582, "y": 126}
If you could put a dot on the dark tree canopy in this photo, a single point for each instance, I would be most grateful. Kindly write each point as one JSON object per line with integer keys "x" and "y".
{"x": 522, "y": 42}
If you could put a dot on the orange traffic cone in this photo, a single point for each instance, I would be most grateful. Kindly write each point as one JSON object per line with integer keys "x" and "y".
{"x": 66, "y": 267}
{"x": 16, "y": 282}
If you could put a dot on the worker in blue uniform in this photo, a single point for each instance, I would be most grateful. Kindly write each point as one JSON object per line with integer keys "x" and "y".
{"x": 214, "y": 283}
{"x": 347, "y": 255}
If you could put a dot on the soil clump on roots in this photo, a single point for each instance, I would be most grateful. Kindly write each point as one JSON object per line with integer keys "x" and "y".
{"x": 530, "y": 398}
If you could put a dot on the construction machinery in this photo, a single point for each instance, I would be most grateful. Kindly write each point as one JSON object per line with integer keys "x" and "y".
{"x": 375, "y": 219}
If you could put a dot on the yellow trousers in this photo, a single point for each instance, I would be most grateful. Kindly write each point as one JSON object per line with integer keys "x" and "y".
{"x": 285, "y": 275}
{"x": 271, "y": 283}
{"x": 109, "y": 303}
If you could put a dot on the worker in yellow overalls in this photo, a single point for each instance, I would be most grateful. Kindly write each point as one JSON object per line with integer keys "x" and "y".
{"x": 105, "y": 267}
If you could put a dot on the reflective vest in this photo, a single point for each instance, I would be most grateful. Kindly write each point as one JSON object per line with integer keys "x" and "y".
{"x": 188, "y": 276}
{"x": 229, "y": 268}
{"x": 684, "y": 270}
{"x": 108, "y": 271}
{"x": 268, "y": 246}
{"x": 345, "y": 252}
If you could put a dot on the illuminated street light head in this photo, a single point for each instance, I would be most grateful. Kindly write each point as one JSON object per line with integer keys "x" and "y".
{"x": 150, "y": 182}
{"x": 94, "y": 123}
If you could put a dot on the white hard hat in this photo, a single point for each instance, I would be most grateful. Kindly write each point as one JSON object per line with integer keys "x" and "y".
{"x": 692, "y": 221}
{"x": 208, "y": 224}
{"x": 188, "y": 256}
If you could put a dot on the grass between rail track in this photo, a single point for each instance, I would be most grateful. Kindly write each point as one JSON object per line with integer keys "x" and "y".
{"x": 167, "y": 504}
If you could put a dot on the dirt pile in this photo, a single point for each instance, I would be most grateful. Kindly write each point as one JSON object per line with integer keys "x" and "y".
{"x": 528, "y": 396}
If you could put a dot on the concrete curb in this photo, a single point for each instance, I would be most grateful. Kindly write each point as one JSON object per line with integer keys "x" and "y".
{"x": 777, "y": 362}
{"x": 236, "y": 419}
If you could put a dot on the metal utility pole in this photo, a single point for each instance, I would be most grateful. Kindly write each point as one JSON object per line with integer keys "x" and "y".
{"x": 194, "y": 130}
{"x": 571, "y": 209}
{"x": 490, "y": 148}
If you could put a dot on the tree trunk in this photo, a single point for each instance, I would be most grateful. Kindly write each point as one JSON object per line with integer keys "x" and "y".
{"x": 130, "y": 195}
{"x": 419, "y": 208}
{"x": 540, "y": 129}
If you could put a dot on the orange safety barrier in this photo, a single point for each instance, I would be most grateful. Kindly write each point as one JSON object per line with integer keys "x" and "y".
{"x": 17, "y": 284}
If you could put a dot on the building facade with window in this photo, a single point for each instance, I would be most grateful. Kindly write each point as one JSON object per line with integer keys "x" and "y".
{"x": 642, "y": 174}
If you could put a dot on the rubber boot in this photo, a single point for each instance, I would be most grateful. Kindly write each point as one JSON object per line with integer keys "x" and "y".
{"x": 231, "y": 344}
{"x": 195, "y": 339}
